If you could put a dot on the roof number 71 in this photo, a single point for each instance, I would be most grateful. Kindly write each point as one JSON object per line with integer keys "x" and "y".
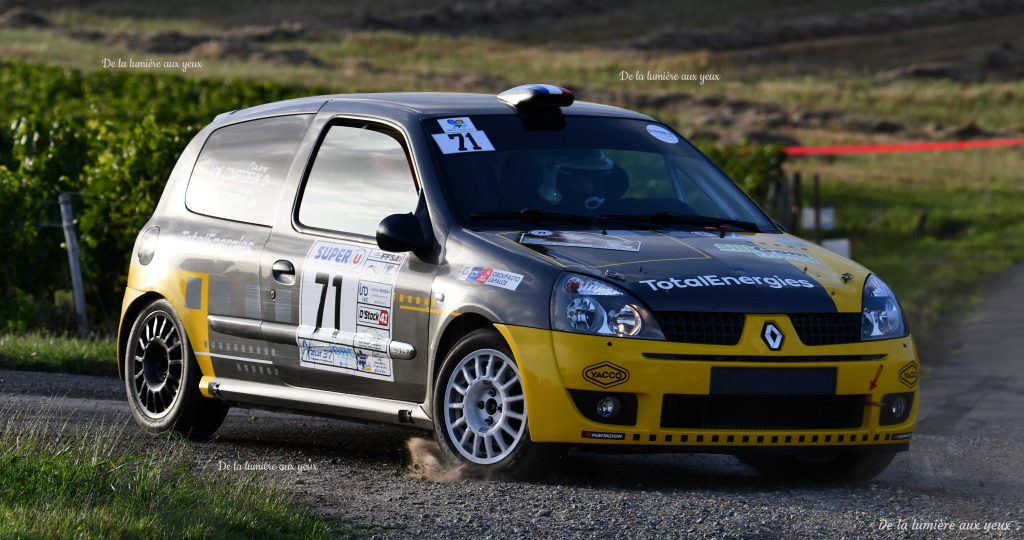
{"x": 464, "y": 141}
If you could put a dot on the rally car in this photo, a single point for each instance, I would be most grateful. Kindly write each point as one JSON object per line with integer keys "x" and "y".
{"x": 519, "y": 273}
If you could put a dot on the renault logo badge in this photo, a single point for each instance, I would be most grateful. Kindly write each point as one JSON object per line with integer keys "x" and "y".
{"x": 772, "y": 336}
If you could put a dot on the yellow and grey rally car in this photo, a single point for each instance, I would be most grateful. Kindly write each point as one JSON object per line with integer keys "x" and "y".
{"x": 518, "y": 273}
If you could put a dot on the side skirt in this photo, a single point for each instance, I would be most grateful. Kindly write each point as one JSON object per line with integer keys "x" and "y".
{"x": 320, "y": 402}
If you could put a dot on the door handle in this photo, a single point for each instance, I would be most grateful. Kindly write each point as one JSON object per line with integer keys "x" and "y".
{"x": 283, "y": 272}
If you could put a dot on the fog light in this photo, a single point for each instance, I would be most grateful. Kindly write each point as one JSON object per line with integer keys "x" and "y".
{"x": 608, "y": 406}
{"x": 898, "y": 408}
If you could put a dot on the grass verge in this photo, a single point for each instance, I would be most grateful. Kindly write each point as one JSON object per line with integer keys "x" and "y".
{"x": 41, "y": 352}
{"x": 103, "y": 482}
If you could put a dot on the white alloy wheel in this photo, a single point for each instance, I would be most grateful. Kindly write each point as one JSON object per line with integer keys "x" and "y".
{"x": 484, "y": 407}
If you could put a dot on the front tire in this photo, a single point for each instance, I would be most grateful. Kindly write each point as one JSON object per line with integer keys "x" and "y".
{"x": 480, "y": 416}
{"x": 162, "y": 377}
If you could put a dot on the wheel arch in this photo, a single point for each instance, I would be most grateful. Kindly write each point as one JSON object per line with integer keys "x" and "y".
{"x": 455, "y": 330}
{"x": 127, "y": 320}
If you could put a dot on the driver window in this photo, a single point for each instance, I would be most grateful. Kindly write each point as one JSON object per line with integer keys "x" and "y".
{"x": 360, "y": 176}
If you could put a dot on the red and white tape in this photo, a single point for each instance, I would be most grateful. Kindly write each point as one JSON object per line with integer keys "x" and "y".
{"x": 901, "y": 147}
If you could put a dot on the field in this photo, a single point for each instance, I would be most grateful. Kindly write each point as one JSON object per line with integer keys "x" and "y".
{"x": 814, "y": 86}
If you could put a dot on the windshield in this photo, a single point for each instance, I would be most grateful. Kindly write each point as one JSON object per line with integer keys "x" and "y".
{"x": 500, "y": 165}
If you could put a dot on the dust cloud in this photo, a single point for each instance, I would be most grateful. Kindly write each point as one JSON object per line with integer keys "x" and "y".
{"x": 428, "y": 462}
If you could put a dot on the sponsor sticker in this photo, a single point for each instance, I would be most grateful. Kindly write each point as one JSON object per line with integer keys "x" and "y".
{"x": 488, "y": 276}
{"x": 483, "y": 276}
{"x": 605, "y": 374}
{"x": 662, "y": 134}
{"x": 908, "y": 375}
{"x": 767, "y": 253}
{"x": 712, "y": 280}
{"x": 330, "y": 354}
{"x": 374, "y": 317}
{"x": 380, "y": 271}
{"x": 378, "y": 294}
{"x": 456, "y": 125}
{"x": 608, "y": 436}
{"x": 579, "y": 239}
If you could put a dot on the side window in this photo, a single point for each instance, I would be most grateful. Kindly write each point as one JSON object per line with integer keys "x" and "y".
{"x": 241, "y": 168}
{"x": 359, "y": 176}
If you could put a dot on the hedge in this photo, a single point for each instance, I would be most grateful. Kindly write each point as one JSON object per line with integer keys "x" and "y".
{"x": 112, "y": 138}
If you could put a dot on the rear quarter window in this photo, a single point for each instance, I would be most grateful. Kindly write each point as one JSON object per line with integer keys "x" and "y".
{"x": 242, "y": 167}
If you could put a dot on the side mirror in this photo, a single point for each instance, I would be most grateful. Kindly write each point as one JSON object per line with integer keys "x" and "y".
{"x": 401, "y": 232}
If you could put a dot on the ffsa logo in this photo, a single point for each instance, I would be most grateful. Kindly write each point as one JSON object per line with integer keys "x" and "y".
{"x": 772, "y": 336}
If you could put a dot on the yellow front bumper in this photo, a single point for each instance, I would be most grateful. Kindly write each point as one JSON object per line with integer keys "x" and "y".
{"x": 552, "y": 363}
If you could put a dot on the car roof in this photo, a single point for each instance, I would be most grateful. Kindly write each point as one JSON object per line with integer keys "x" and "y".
{"x": 422, "y": 104}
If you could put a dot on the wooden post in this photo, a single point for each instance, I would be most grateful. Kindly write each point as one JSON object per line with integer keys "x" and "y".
{"x": 67, "y": 219}
{"x": 795, "y": 202}
{"x": 817, "y": 209}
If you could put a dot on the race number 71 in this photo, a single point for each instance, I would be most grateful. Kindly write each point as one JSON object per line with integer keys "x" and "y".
{"x": 324, "y": 279}
{"x": 463, "y": 141}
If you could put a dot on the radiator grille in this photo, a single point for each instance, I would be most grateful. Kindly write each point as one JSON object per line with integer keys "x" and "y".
{"x": 703, "y": 328}
{"x": 827, "y": 328}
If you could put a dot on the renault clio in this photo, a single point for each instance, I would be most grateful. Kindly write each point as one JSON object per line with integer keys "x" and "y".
{"x": 518, "y": 273}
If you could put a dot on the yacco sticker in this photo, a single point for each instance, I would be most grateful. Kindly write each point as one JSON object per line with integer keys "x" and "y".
{"x": 712, "y": 280}
{"x": 662, "y": 134}
{"x": 767, "y": 253}
{"x": 579, "y": 239}
{"x": 346, "y": 289}
{"x": 488, "y": 276}
{"x": 462, "y": 142}
{"x": 606, "y": 374}
{"x": 908, "y": 374}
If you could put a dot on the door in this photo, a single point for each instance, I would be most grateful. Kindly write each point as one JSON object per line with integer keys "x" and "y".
{"x": 345, "y": 315}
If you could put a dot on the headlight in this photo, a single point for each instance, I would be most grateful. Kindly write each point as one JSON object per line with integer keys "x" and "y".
{"x": 586, "y": 305}
{"x": 882, "y": 317}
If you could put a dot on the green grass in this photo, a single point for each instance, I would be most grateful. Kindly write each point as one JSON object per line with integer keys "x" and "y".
{"x": 41, "y": 352}
{"x": 974, "y": 226}
{"x": 107, "y": 482}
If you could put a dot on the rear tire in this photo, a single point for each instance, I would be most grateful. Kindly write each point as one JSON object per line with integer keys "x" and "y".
{"x": 480, "y": 417}
{"x": 161, "y": 377}
{"x": 842, "y": 468}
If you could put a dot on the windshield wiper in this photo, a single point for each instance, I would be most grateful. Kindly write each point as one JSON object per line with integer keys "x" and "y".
{"x": 532, "y": 214}
{"x": 665, "y": 218}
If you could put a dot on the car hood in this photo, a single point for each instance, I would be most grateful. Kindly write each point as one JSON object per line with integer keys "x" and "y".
{"x": 677, "y": 270}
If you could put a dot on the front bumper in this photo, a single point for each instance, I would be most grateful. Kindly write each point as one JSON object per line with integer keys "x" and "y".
{"x": 554, "y": 363}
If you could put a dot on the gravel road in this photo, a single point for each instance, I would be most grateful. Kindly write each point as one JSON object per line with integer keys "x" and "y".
{"x": 965, "y": 466}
